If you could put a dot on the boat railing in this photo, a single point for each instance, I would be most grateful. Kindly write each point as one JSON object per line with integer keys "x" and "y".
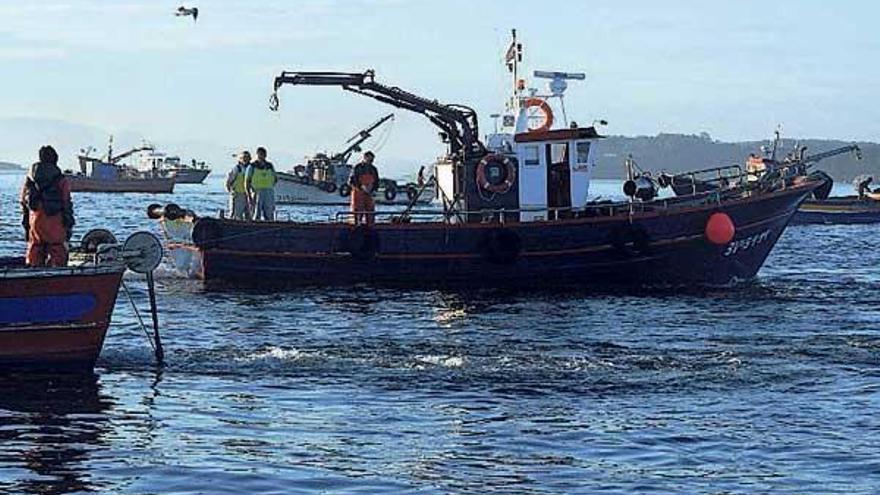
{"x": 697, "y": 181}
{"x": 501, "y": 215}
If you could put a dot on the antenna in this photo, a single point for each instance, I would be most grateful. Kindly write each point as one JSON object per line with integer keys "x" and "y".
{"x": 558, "y": 84}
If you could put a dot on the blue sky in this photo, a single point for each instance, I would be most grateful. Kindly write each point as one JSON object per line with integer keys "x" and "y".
{"x": 734, "y": 69}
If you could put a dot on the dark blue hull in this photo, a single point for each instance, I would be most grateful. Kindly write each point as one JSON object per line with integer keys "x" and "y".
{"x": 838, "y": 211}
{"x": 654, "y": 248}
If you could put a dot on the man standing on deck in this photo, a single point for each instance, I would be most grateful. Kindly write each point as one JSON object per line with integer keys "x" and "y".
{"x": 47, "y": 212}
{"x": 363, "y": 181}
{"x": 260, "y": 182}
{"x": 235, "y": 185}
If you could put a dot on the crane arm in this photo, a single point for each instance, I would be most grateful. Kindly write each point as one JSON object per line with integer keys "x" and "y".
{"x": 458, "y": 123}
{"x": 115, "y": 159}
{"x": 828, "y": 154}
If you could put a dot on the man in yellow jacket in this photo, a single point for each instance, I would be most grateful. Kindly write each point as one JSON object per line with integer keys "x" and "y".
{"x": 235, "y": 186}
{"x": 260, "y": 182}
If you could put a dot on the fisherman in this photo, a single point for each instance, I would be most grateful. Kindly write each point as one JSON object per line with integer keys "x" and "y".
{"x": 863, "y": 183}
{"x": 235, "y": 185}
{"x": 363, "y": 181}
{"x": 260, "y": 181}
{"x": 755, "y": 167}
{"x": 47, "y": 212}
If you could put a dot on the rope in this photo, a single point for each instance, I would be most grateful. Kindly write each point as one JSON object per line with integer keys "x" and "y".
{"x": 138, "y": 314}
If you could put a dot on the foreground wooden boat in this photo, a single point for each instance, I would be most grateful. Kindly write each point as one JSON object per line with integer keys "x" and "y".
{"x": 515, "y": 213}
{"x": 57, "y": 318}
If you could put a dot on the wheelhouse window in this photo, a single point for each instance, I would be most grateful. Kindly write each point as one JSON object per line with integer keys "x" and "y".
{"x": 531, "y": 157}
{"x": 583, "y": 152}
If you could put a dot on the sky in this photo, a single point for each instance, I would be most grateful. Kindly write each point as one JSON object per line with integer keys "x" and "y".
{"x": 734, "y": 69}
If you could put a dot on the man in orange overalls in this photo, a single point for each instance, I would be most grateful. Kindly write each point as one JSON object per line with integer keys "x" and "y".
{"x": 363, "y": 181}
{"x": 47, "y": 212}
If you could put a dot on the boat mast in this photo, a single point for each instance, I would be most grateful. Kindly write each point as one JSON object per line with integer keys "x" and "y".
{"x": 513, "y": 57}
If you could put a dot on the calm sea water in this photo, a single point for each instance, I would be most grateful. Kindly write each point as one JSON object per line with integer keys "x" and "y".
{"x": 769, "y": 388}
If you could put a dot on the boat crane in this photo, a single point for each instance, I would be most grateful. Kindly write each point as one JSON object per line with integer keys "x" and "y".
{"x": 807, "y": 160}
{"x": 359, "y": 139}
{"x": 458, "y": 123}
{"x": 117, "y": 158}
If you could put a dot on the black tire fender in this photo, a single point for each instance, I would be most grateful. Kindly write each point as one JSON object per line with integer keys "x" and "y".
{"x": 207, "y": 232}
{"x": 362, "y": 243}
{"x": 502, "y": 247}
{"x": 390, "y": 192}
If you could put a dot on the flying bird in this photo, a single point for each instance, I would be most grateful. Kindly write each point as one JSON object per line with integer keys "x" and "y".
{"x": 186, "y": 11}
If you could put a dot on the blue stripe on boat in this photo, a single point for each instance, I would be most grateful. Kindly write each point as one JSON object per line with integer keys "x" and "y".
{"x": 46, "y": 309}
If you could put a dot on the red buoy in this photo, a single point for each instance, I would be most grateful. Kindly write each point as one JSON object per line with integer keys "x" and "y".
{"x": 720, "y": 229}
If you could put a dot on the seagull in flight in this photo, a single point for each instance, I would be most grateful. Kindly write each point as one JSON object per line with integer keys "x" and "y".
{"x": 186, "y": 11}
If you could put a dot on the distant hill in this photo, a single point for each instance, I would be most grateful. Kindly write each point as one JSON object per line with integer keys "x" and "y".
{"x": 10, "y": 167}
{"x": 20, "y": 138}
{"x": 681, "y": 152}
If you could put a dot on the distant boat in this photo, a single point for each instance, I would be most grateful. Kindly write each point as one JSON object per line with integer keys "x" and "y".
{"x": 150, "y": 160}
{"x": 110, "y": 175}
{"x": 10, "y": 168}
{"x": 842, "y": 210}
{"x": 323, "y": 179}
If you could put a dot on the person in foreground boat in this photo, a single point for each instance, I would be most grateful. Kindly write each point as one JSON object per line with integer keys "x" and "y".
{"x": 235, "y": 186}
{"x": 47, "y": 212}
{"x": 260, "y": 182}
{"x": 363, "y": 181}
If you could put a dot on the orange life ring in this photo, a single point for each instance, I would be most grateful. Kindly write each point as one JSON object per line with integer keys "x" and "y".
{"x": 509, "y": 175}
{"x": 545, "y": 109}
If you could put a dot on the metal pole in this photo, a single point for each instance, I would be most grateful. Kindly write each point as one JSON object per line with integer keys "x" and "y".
{"x": 151, "y": 289}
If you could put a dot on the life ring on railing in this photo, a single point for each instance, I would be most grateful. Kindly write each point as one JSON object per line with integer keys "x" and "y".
{"x": 344, "y": 190}
{"x": 544, "y": 107}
{"x": 496, "y": 173}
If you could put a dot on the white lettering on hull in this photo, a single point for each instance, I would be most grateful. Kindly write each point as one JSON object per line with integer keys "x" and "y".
{"x": 747, "y": 243}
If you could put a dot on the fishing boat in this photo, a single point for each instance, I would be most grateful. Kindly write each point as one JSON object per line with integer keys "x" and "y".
{"x": 323, "y": 179}
{"x": 57, "y": 318}
{"x": 516, "y": 212}
{"x": 149, "y": 160}
{"x": 110, "y": 175}
{"x": 861, "y": 208}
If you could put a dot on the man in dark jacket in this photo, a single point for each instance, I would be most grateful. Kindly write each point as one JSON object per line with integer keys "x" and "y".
{"x": 47, "y": 212}
{"x": 363, "y": 181}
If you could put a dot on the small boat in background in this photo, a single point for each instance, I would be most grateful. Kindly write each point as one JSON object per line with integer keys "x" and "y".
{"x": 862, "y": 208}
{"x": 323, "y": 179}
{"x": 108, "y": 174}
{"x": 151, "y": 161}
{"x": 57, "y": 318}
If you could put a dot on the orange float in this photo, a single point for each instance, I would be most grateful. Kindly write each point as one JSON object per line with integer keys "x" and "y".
{"x": 720, "y": 228}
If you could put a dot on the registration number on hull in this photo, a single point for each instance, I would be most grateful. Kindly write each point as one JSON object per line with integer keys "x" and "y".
{"x": 747, "y": 243}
